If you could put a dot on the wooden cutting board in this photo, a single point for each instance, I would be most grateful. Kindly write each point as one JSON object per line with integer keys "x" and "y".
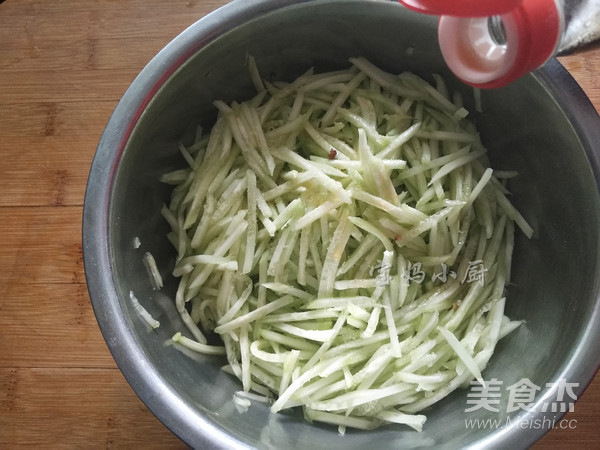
{"x": 64, "y": 64}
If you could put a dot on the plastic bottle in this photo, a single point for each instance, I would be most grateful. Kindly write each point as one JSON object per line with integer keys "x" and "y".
{"x": 490, "y": 43}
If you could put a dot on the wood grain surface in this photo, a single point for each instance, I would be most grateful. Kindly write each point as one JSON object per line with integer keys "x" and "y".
{"x": 64, "y": 64}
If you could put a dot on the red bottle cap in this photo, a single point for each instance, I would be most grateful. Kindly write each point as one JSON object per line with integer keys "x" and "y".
{"x": 461, "y": 8}
{"x": 531, "y": 32}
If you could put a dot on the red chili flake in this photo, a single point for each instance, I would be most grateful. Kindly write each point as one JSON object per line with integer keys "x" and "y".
{"x": 397, "y": 238}
{"x": 332, "y": 154}
{"x": 454, "y": 306}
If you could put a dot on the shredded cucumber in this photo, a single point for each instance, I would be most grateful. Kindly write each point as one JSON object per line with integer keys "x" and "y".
{"x": 144, "y": 314}
{"x": 346, "y": 238}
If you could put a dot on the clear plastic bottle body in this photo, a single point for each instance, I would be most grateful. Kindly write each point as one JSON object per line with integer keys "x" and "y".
{"x": 581, "y": 24}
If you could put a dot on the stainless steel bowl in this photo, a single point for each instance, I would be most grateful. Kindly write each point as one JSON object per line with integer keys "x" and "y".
{"x": 542, "y": 126}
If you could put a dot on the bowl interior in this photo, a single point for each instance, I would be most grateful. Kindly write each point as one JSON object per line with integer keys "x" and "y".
{"x": 530, "y": 127}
